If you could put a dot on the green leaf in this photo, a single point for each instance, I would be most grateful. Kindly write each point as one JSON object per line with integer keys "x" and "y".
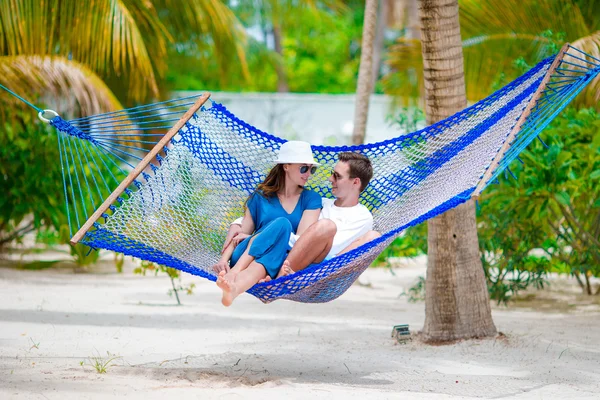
{"x": 595, "y": 174}
{"x": 563, "y": 157}
{"x": 39, "y": 265}
{"x": 563, "y": 198}
{"x": 596, "y": 140}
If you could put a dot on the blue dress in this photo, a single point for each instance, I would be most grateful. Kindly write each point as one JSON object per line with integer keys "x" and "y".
{"x": 273, "y": 226}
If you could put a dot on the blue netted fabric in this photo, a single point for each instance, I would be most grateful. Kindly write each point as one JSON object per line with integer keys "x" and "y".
{"x": 179, "y": 213}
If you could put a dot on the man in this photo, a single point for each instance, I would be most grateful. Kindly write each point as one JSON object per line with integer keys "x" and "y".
{"x": 344, "y": 224}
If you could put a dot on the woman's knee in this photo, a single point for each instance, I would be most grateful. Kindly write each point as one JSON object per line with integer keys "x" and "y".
{"x": 281, "y": 224}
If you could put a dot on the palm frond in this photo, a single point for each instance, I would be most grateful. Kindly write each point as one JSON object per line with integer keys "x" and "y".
{"x": 498, "y": 33}
{"x": 591, "y": 45}
{"x": 197, "y": 25}
{"x": 68, "y": 87}
{"x": 489, "y": 17}
{"x": 108, "y": 36}
{"x": 405, "y": 82}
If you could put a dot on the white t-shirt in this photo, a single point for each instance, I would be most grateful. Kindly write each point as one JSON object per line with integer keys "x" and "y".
{"x": 351, "y": 222}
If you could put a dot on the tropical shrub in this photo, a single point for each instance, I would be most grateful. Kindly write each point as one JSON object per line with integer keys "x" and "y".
{"x": 554, "y": 205}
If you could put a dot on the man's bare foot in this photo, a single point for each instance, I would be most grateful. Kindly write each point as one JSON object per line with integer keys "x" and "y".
{"x": 265, "y": 279}
{"x": 228, "y": 289}
{"x": 285, "y": 269}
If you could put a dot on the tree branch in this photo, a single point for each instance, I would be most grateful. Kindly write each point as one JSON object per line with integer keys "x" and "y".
{"x": 18, "y": 233}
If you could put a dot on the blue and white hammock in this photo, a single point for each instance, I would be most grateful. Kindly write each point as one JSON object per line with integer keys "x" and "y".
{"x": 177, "y": 203}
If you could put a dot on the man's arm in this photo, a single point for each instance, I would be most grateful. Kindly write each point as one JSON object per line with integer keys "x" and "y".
{"x": 234, "y": 229}
{"x": 234, "y": 232}
{"x": 366, "y": 238}
{"x": 349, "y": 230}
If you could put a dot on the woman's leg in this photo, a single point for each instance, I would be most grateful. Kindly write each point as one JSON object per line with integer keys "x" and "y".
{"x": 244, "y": 281}
{"x": 239, "y": 261}
{"x": 263, "y": 256}
{"x": 272, "y": 248}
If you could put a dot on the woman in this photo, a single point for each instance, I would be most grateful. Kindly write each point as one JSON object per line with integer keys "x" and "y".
{"x": 279, "y": 206}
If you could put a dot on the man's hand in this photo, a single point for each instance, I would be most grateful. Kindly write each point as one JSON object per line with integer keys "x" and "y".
{"x": 233, "y": 231}
{"x": 221, "y": 266}
{"x": 240, "y": 237}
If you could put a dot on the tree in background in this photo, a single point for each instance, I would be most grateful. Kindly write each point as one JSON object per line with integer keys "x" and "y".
{"x": 71, "y": 54}
{"x": 456, "y": 300}
{"x": 320, "y": 52}
{"x": 273, "y": 17}
{"x": 82, "y": 58}
{"x": 365, "y": 74}
{"x": 495, "y": 34}
{"x": 521, "y": 218}
{"x": 548, "y": 219}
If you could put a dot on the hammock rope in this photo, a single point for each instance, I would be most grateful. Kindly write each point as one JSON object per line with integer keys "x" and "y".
{"x": 175, "y": 207}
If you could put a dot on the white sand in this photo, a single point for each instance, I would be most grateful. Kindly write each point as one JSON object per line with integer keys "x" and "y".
{"x": 51, "y": 321}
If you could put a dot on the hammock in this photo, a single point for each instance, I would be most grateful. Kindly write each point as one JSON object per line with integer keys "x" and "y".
{"x": 175, "y": 207}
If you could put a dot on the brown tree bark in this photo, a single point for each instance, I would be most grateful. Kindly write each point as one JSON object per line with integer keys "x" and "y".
{"x": 365, "y": 80}
{"x": 282, "y": 84}
{"x": 379, "y": 41}
{"x": 457, "y": 302}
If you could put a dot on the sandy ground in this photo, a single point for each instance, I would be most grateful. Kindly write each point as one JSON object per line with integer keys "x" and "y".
{"x": 55, "y": 324}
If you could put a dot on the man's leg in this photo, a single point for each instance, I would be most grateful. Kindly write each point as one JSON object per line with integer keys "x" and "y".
{"x": 303, "y": 255}
{"x": 311, "y": 247}
{"x": 366, "y": 238}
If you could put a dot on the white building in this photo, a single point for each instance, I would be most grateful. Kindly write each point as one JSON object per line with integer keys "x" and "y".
{"x": 317, "y": 118}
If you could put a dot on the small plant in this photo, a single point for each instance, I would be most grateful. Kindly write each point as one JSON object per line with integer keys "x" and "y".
{"x": 99, "y": 363}
{"x": 119, "y": 262}
{"x": 412, "y": 243}
{"x": 34, "y": 344}
{"x": 173, "y": 274}
{"x": 416, "y": 292}
{"x": 407, "y": 119}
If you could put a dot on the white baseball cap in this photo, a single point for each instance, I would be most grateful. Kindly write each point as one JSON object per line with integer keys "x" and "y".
{"x": 295, "y": 152}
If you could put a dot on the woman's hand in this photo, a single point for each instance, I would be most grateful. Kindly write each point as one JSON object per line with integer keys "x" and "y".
{"x": 221, "y": 266}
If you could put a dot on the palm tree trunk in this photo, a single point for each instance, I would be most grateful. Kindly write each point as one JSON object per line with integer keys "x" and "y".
{"x": 282, "y": 85}
{"x": 364, "y": 85}
{"x": 382, "y": 15}
{"x": 413, "y": 30}
{"x": 457, "y": 302}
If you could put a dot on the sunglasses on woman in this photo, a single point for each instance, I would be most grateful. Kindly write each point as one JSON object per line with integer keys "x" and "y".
{"x": 305, "y": 168}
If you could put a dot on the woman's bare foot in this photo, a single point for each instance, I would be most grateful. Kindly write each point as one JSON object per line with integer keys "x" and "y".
{"x": 228, "y": 288}
{"x": 230, "y": 277}
{"x": 265, "y": 279}
{"x": 285, "y": 269}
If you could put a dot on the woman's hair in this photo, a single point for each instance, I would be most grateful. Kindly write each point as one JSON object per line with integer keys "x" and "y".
{"x": 274, "y": 182}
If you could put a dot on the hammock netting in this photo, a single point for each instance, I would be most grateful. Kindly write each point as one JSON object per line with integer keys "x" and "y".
{"x": 178, "y": 210}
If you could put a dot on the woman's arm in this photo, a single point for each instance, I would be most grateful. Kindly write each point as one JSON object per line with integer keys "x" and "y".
{"x": 247, "y": 223}
{"x": 232, "y": 241}
{"x": 309, "y": 217}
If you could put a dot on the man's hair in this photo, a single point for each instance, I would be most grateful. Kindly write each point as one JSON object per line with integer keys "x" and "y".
{"x": 360, "y": 167}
